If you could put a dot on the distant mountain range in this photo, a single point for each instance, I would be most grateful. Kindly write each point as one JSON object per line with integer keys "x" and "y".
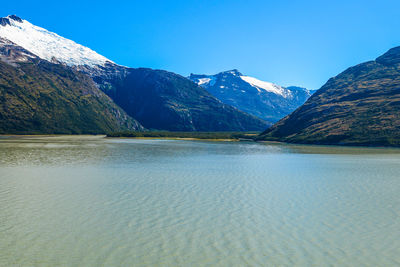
{"x": 265, "y": 100}
{"x": 68, "y": 75}
{"x": 360, "y": 106}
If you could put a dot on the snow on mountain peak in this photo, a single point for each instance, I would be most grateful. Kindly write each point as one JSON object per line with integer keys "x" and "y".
{"x": 267, "y": 86}
{"x": 232, "y": 76}
{"x": 48, "y": 45}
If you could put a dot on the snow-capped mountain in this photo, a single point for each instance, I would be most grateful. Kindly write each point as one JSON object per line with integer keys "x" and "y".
{"x": 48, "y": 45}
{"x": 265, "y": 100}
{"x": 38, "y": 96}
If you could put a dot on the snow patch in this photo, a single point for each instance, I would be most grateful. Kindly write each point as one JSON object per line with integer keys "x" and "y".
{"x": 203, "y": 81}
{"x": 206, "y": 81}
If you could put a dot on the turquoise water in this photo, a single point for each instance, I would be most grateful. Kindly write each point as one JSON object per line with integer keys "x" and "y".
{"x": 92, "y": 201}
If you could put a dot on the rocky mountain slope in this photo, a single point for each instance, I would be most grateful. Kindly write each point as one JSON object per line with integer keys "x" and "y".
{"x": 360, "y": 106}
{"x": 265, "y": 100}
{"x": 157, "y": 99}
{"x": 37, "y": 96}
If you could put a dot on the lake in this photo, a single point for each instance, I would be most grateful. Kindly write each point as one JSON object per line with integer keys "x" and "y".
{"x": 94, "y": 201}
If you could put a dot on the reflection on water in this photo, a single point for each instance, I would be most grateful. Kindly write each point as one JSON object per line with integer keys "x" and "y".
{"x": 93, "y": 201}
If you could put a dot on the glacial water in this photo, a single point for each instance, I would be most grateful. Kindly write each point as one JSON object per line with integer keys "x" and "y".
{"x": 93, "y": 201}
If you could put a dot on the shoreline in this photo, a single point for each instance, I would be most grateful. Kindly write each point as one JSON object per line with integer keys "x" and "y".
{"x": 176, "y": 138}
{"x": 33, "y": 136}
{"x": 239, "y": 139}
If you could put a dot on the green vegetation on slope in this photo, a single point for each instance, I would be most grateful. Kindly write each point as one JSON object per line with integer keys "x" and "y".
{"x": 40, "y": 97}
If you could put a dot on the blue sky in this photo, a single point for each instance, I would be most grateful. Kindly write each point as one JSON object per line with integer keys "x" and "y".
{"x": 287, "y": 42}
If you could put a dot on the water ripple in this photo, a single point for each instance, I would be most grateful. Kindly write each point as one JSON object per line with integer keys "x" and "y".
{"x": 91, "y": 201}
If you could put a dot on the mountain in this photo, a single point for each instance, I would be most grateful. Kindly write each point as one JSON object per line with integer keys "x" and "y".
{"x": 164, "y": 100}
{"x": 265, "y": 100}
{"x": 37, "y": 96}
{"x": 360, "y": 106}
{"x": 157, "y": 99}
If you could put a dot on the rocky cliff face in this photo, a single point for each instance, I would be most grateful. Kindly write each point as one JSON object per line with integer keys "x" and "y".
{"x": 360, "y": 106}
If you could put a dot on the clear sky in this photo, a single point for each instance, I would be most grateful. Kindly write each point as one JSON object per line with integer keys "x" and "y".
{"x": 300, "y": 43}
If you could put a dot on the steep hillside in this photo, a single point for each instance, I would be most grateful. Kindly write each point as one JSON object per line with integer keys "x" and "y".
{"x": 360, "y": 106}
